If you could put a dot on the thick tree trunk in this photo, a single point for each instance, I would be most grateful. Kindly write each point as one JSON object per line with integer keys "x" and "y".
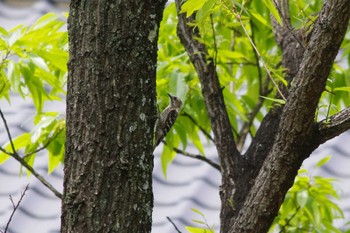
{"x": 110, "y": 115}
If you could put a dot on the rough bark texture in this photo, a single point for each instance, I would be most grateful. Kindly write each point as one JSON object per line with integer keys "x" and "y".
{"x": 233, "y": 165}
{"x": 110, "y": 115}
{"x": 254, "y": 184}
{"x": 297, "y": 131}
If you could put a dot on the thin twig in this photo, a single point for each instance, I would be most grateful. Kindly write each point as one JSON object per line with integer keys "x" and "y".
{"x": 200, "y": 127}
{"x": 238, "y": 17}
{"x": 237, "y": 63}
{"x": 15, "y": 206}
{"x": 3, "y": 86}
{"x": 199, "y": 157}
{"x": 8, "y": 132}
{"x": 214, "y": 38}
{"x": 262, "y": 60}
{"x": 24, "y": 163}
{"x": 5, "y": 151}
{"x": 5, "y": 57}
{"x": 177, "y": 229}
{"x": 246, "y": 126}
{"x": 36, "y": 174}
{"x": 45, "y": 145}
{"x": 289, "y": 219}
{"x": 287, "y": 23}
{"x": 257, "y": 61}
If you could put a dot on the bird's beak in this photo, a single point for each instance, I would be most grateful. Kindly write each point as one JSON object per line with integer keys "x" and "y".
{"x": 170, "y": 96}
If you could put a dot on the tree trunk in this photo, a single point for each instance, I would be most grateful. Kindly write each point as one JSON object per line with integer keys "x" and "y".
{"x": 110, "y": 115}
{"x": 254, "y": 184}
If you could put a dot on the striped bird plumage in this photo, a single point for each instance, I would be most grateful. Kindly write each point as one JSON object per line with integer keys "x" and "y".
{"x": 167, "y": 119}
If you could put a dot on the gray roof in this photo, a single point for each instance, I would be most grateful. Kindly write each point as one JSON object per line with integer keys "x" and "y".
{"x": 189, "y": 183}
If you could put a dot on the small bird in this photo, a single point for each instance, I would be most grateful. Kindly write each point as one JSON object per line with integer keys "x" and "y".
{"x": 166, "y": 119}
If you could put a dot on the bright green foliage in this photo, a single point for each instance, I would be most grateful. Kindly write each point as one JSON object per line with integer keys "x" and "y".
{"x": 309, "y": 205}
{"x": 176, "y": 76}
{"x": 203, "y": 222}
{"x": 33, "y": 64}
{"x": 240, "y": 40}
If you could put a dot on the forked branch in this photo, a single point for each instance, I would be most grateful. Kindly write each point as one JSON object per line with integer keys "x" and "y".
{"x": 15, "y": 207}
{"x": 335, "y": 125}
{"x": 21, "y": 160}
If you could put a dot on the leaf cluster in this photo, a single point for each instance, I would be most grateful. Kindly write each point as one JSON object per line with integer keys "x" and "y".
{"x": 33, "y": 64}
{"x": 310, "y": 205}
{"x": 240, "y": 40}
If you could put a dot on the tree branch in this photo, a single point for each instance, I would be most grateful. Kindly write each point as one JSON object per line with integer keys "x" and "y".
{"x": 335, "y": 125}
{"x": 8, "y": 133}
{"x": 211, "y": 90}
{"x": 200, "y": 127}
{"x": 15, "y": 206}
{"x": 24, "y": 163}
{"x": 36, "y": 174}
{"x": 288, "y": 40}
{"x": 246, "y": 125}
{"x": 295, "y": 139}
{"x": 44, "y": 145}
{"x": 177, "y": 229}
{"x": 200, "y": 157}
{"x": 263, "y": 91}
{"x": 194, "y": 156}
{"x": 282, "y": 30}
{"x": 233, "y": 165}
{"x": 289, "y": 220}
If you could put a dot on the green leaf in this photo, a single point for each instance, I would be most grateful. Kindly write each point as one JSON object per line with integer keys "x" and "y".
{"x": 4, "y": 85}
{"x": 323, "y": 161}
{"x": 168, "y": 153}
{"x": 166, "y": 158}
{"x": 3, "y": 46}
{"x": 198, "y": 221}
{"x": 56, "y": 152}
{"x": 45, "y": 123}
{"x": 30, "y": 161}
{"x": 280, "y": 101}
{"x": 44, "y": 21}
{"x": 14, "y": 37}
{"x": 197, "y": 230}
{"x": 342, "y": 89}
{"x": 14, "y": 75}
{"x": 260, "y": 18}
{"x": 34, "y": 85}
{"x": 19, "y": 142}
{"x": 191, "y": 6}
{"x": 22, "y": 141}
{"x": 197, "y": 211}
{"x": 56, "y": 58}
{"x": 269, "y": 4}
{"x": 178, "y": 86}
{"x": 3, "y": 31}
{"x": 205, "y": 10}
{"x": 181, "y": 131}
{"x": 3, "y": 156}
{"x": 197, "y": 142}
{"x": 302, "y": 170}
{"x": 302, "y": 198}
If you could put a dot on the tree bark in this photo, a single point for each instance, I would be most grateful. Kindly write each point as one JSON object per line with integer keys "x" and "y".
{"x": 233, "y": 165}
{"x": 254, "y": 185}
{"x": 110, "y": 115}
{"x": 298, "y": 133}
